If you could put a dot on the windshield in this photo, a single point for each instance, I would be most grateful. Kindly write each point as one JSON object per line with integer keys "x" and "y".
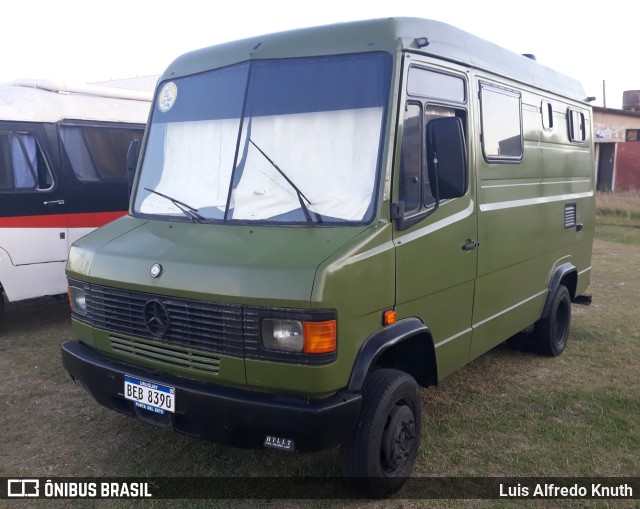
{"x": 284, "y": 141}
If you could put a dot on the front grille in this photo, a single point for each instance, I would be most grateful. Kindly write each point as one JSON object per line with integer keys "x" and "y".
{"x": 187, "y": 333}
{"x": 168, "y": 354}
{"x": 201, "y": 325}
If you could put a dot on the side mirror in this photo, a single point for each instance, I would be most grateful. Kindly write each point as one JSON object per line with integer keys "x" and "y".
{"x": 447, "y": 158}
{"x": 132, "y": 161}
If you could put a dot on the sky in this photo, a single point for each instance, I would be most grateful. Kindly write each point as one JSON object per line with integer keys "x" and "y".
{"x": 84, "y": 41}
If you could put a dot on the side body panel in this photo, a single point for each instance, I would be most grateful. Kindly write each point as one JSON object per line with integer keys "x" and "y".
{"x": 530, "y": 207}
{"x": 525, "y": 212}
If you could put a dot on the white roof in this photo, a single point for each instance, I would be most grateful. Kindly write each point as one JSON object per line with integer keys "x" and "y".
{"x": 49, "y": 101}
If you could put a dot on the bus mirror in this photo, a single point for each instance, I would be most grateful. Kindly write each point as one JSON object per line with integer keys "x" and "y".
{"x": 447, "y": 157}
{"x": 132, "y": 161}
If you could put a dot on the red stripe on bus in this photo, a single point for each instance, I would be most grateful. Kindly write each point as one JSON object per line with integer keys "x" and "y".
{"x": 94, "y": 219}
{"x": 85, "y": 220}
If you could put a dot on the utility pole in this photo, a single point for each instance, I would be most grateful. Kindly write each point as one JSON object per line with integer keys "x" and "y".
{"x": 604, "y": 94}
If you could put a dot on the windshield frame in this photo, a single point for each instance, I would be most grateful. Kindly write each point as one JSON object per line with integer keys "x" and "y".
{"x": 308, "y": 218}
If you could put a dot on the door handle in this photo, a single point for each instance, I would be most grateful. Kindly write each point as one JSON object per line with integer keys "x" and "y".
{"x": 54, "y": 202}
{"x": 470, "y": 245}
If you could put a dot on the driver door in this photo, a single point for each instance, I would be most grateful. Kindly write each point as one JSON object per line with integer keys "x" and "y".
{"x": 434, "y": 238}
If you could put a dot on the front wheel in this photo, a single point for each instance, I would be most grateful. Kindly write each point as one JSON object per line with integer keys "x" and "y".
{"x": 552, "y": 332}
{"x": 382, "y": 449}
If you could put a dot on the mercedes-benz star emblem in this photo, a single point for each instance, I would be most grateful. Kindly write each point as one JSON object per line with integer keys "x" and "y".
{"x": 156, "y": 317}
{"x": 156, "y": 270}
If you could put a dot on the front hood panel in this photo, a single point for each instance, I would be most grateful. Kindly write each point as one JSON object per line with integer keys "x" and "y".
{"x": 236, "y": 264}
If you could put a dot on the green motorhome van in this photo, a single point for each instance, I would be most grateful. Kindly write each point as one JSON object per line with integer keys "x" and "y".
{"x": 325, "y": 220}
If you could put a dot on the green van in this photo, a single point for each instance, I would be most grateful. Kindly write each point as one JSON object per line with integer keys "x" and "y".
{"x": 325, "y": 220}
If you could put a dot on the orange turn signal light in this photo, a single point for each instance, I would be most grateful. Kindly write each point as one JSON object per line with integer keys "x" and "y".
{"x": 319, "y": 337}
{"x": 390, "y": 317}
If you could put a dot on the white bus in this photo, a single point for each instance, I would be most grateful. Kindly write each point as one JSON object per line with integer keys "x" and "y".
{"x": 62, "y": 174}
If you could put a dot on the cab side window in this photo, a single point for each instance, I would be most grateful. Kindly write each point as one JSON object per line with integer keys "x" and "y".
{"x": 431, "y": 95}
{"x": 411, "y": 160}
{"x": 23, "y": 166}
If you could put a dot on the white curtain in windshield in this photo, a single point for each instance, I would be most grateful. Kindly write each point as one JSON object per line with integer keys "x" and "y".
{"x": 198, "y": 158}
{"x": 330, "y": 156}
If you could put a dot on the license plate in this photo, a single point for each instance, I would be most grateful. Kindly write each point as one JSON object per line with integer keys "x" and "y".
{"x": 149, "y": 395}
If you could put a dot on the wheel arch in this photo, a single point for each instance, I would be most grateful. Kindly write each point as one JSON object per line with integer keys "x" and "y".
{"x": 565, "y": 274}
{"x": 406, "y": 345}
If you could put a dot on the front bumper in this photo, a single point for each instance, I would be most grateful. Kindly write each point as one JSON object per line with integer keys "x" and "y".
{"x": 236, "y": 417}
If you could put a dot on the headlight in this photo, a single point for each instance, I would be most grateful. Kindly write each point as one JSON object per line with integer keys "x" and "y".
{"x": 299, "y": 336}
{"x": 283, "y": 335}
{"x": 77, "y": 300}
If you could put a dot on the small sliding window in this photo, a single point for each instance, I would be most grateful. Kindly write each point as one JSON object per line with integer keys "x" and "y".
{"x": 501, "y": 124}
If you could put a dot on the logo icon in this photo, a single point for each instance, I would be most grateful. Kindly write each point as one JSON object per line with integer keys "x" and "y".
{"x": 156, "y": 270}
{"x": 23, "y": 488}
{"x": 156, "y": 317}
{"x": 167, "y": 96}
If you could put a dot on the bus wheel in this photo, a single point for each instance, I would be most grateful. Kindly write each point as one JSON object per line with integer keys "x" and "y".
{"x": 382, "y": 449}
{"x": 551, "y": 332}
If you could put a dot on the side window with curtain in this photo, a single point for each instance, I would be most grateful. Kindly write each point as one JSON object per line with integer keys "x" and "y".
{"x": 23, "y": 166}
{"x": 98, "y": 153}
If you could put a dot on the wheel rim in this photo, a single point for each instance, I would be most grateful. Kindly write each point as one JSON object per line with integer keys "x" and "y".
{"x": 398, "y": 438}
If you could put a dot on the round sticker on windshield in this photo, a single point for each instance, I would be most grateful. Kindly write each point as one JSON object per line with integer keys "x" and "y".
{"x": 167, "y": 97}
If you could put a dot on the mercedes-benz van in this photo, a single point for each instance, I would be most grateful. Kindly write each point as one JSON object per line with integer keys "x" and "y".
{"x": 326, "y": 220}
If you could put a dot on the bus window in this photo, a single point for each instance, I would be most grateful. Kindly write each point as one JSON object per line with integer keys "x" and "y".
{"x": 98, "y": 153}
{"x": 22, "y": 165}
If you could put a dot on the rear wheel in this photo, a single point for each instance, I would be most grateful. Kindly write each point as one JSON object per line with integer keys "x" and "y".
{"x": 380, "y": 454}
{"x": 552, "y": 332}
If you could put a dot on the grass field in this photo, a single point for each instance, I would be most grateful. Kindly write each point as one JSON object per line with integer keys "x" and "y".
{"x": 508, "y": 413}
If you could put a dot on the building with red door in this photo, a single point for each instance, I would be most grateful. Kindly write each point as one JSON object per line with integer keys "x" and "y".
{"x": 617, "y": 137}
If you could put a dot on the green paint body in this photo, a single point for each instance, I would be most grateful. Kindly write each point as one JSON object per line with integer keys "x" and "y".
{"x": 469, "y": 300}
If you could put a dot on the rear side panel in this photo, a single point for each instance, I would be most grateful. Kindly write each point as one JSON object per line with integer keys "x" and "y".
{"x": 535, "y": 214}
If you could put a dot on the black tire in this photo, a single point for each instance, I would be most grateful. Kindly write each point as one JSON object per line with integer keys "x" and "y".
{"x": 382, "y": 449}
{"x": 552, "y": 332}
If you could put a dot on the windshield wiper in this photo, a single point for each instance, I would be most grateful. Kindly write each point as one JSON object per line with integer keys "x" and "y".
{"x": 301, "y": 196}
{"x": 187, "y": 210}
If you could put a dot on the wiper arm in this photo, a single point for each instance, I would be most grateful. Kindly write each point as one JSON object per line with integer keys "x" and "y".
{"x": 187, "y": 210}
{"x": 301, "y": 196}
